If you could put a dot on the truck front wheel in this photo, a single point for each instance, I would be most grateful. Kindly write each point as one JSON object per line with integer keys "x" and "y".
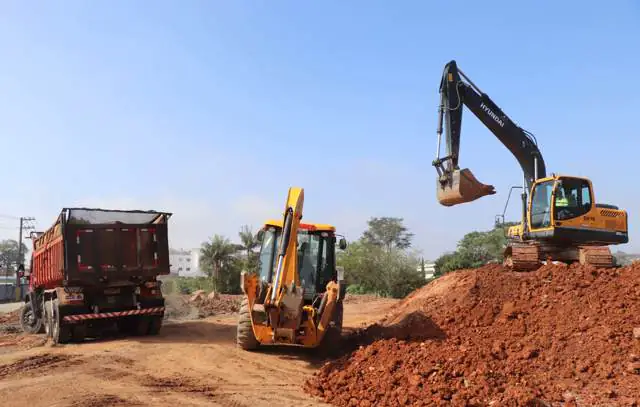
{"x": 29, "y": 321}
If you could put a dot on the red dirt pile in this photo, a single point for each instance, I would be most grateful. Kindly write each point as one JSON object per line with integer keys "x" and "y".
{"x": 220, "y": 304}
{"x": 488, "y": 337}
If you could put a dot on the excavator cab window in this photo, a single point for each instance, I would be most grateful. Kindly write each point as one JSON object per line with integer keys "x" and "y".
{"x": 573, "y": 198}
{"x": 541, "y": 205}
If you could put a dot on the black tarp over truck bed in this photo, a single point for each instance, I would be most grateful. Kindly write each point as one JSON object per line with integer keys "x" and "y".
{"x": 101, "y": 246}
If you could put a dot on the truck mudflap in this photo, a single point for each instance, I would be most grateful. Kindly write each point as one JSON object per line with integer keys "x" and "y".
{"x": 117, "y": 314}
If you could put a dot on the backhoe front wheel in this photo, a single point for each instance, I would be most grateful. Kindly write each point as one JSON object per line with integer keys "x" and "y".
{"x": 245, "y": 337}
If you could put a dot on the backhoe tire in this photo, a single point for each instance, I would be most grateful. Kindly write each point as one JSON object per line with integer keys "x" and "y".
{"x": 245, "y": 337}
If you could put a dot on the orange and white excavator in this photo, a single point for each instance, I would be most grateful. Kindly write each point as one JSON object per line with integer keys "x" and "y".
{"x": 295, "y": 297}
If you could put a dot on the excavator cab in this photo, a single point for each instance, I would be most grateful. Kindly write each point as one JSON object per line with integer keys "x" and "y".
{"x": 460, "y": 186}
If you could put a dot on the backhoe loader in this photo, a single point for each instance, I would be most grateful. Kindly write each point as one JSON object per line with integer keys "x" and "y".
{"x": 296, "y": 296}
{"x": 561, "y": 220}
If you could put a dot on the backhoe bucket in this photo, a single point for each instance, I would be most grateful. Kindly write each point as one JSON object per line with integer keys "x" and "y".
{"x": 462, "y": 187}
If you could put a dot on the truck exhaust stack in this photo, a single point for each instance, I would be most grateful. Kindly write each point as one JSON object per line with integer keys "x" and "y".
{"x": 461, "y": 186}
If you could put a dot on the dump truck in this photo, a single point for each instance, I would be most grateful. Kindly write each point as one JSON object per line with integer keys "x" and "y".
{"x": 295, "y": 297}
{"x": 97, "y": 268}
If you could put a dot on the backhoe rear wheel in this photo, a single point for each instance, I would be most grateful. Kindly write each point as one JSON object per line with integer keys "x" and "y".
{"x": 245, "y": 338}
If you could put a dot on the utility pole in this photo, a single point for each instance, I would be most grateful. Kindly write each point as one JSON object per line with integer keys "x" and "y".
{"x": 23, "y": 226}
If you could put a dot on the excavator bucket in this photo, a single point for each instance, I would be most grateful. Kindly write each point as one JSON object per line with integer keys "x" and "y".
{"x": 462, "y": 187}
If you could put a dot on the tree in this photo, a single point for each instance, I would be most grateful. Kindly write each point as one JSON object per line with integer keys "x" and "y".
{"x": 380, "y": 262}
{"x": 217, "y": 260}
{"x": 9, "y": 253}
{"x": 475, "y": 249}
{"x": 388, "y": 232}
{"x": 249, "y": 243}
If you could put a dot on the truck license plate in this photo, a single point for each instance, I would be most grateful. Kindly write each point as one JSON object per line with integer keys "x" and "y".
{"x": 112, "y": 300}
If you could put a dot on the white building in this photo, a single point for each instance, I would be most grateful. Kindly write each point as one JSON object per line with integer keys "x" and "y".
{"x": 428, "y": 268}
{"x": 185, "y": 263}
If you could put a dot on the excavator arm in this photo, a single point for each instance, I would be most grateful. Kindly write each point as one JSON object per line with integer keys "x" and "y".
{"x": 457, "y": 186}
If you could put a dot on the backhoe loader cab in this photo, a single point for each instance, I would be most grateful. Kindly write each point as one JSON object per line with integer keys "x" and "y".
{"x": 316, "y": 255}
{"x": 295, "y": 296}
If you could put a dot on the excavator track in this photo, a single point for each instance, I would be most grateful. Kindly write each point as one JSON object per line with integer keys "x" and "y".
{"x": 522, "y": 257}
{"x": 597, "y": 256}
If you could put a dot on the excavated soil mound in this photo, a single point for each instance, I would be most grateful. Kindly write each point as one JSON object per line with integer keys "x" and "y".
{"x": 221, "y": 304}
{"x": 558, "y": 336}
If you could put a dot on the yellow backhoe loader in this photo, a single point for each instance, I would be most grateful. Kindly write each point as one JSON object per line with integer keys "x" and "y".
{"x": 296, "y": 296}
{"x": 561, "y": 220}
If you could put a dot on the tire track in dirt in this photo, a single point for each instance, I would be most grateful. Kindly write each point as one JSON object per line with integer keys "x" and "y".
{"x": 35, "y": 363}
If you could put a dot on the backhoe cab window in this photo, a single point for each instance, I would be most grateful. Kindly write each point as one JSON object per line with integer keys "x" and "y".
{"x": 541, "y": 205}
{"x": 573, "y": 198}
{"x": 312, "y": 258}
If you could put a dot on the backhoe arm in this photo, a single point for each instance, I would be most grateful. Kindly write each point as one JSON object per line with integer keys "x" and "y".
{"x": 287, "y": 261}
{"x": 457, "y": 186}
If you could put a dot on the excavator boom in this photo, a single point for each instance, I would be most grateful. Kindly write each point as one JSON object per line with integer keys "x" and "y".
{"x": 457, "y": 186}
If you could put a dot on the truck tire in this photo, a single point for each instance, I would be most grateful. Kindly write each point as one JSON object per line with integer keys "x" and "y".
{"x": 29, "y": 322}
{"x": 155, "y": 323}
{"x": 142, "y": 325}
{"x": 245, "y": 337}
{"x": 59, "y": 332}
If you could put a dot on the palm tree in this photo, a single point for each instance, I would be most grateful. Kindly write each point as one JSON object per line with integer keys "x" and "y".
{"x": 249, "y": 240}
{"x": 214, "y": 255}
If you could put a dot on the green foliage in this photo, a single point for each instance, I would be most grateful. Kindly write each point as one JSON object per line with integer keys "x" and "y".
{"x": 475, "y": 249}
{"x": 9, "y": 253}
{"x": 379, "y": 263}
{"x": 218, "y": 261}
{"x": 249, "y": 244}
{"x": 388, "y": 232}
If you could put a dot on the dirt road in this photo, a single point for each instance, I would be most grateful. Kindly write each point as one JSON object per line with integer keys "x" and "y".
{"x": 191, "y": 363}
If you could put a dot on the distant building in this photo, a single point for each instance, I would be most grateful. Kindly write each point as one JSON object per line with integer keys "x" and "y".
{"x": 185, "y": 263}
{"x": 428, "y": 268}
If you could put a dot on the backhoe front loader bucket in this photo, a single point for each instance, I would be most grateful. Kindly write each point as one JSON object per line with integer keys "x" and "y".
{"x": 462, "y": 187}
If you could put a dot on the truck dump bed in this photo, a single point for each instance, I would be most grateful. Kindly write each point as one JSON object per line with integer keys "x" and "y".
{"x": 100, "y": 246}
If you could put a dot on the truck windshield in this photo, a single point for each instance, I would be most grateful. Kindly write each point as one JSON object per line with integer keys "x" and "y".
{"x": 541, "y": 205}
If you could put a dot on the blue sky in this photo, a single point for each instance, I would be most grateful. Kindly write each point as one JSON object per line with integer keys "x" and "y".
{"x": 212, "y": 109}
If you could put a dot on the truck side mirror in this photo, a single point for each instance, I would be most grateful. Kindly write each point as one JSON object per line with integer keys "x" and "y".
{"x": 260, "y": 235}
{"x": 342, "y": 244}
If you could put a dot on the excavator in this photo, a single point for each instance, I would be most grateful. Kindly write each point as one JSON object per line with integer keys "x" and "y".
{"x": 295, "y": 297}
{"x": 561, "y": 221}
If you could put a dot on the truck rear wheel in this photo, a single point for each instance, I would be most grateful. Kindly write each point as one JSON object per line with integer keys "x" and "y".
{"x": 56, "y": 329}
{"x": 29, "y": 321}
{"x": 245, "y": 337}
{"x": 155, "y": 323}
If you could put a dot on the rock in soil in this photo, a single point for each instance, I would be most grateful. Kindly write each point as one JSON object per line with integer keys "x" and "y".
{"x": 492, "y": 337}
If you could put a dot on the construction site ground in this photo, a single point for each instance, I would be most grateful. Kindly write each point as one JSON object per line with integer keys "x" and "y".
{"x": 192, "y": 362}
{"x": 559, "y": 336}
